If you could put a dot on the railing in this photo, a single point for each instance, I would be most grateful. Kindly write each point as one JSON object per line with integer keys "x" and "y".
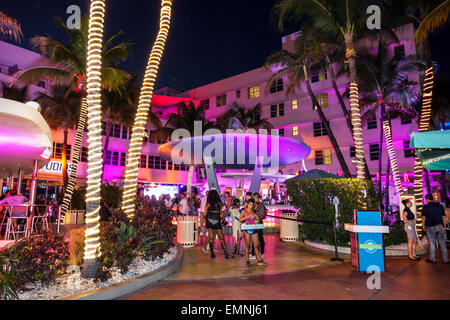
{"x": 31, "y": 211}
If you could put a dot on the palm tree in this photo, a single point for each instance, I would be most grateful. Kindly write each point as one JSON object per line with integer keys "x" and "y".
{"x": 186, "y": 118}
{"x": 430, "y": 15}
{"x": 295, "y": 67}
{"x": 61, "y": 110}
{"x": 15, "y": 93}
{"x": 94, "y": 94}
{"x": 137, "y": 135}
{"x": 10, "y": 28}
{"x": 237, "y": 117}
{"x": 386, "y": 89}
{"x": 70, "y": 70}
{"x": 343, "y": 20}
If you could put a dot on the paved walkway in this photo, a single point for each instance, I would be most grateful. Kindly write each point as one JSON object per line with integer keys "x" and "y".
{"x": 296, "y": 272}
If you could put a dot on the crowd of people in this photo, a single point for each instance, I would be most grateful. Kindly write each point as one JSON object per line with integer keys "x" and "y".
{"x": 217, "y": 212}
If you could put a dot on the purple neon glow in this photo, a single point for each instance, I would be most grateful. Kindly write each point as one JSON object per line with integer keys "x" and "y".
{"x": 234, "y": 146}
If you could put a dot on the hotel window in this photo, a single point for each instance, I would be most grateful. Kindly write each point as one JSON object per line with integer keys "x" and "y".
{"x": 295, "y": 131}
{"x": 176, "y": 167}
{"x": 406, "y": 120}
{"x": 319, "y": 75}
{"x": 374, "y": 152}
{"x": 294, "y": 104}
{"x": 163, "y": 164}
{"x": 322, "y": 99}
{"x": 281, "y": 132}
{"x": 84, "y": 154}
{"x": 151, "y": 162}
{"x": 319, "y": 129}
{"x": 115, "y": 130}
{"x": 372, "y": 124}
{"x": 408, "y": 152}
{"x": 221, "y": 100}
{"x": 238, "y": 94}
{"x": 277, "y": 110}
{"x": 253, "y": 92}
{"x": 115, "y": 158}
{"x": 277, "y": 86}
{"x": 108, "y": 158}
{"x": 352, "y": 152}
{"x": 204, "y": 104}
{"x": 399, "y": 52}
{"x": 323, "y": 157}
{"x": 123, "y": 159}
{"x": 143, "y": 162}
{"x": 125, "y": 133}
{"x": 169, "y": 165}
{"x": 157, "y": 163}
{"x": 57, "y": 151}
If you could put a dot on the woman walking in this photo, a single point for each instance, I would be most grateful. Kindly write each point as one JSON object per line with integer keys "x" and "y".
{"x": 410, "y": 228}
{"x": 237, "y": 233}
{"x": 249, "y": 217}
{"x": 213, "y": 217}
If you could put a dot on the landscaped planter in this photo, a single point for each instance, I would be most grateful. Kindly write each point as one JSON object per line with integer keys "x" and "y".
{"x": 106, "y": 290}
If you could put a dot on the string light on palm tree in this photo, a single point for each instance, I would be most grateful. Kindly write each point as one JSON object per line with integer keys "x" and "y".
{"x": 392, "y": 157}
{"x": 76, "y": 158}
{"x": 357, "y": 132}
{"x": 137, "y": 135}
{"x": 94, "y": 65}
{"x": 425, "y": 117}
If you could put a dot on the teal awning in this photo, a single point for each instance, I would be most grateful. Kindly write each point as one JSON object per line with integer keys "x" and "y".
{"x": 433, "y": 149}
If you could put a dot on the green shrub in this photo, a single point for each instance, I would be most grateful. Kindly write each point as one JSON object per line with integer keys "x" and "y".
{"x": 396, "y": 235}
{"x": 149, "y": 235}
{"x": 311, "y": 198}
{"x": 111, "y": 194}
{"x": 7, "y": 281}
{"x": 37, "y": 258}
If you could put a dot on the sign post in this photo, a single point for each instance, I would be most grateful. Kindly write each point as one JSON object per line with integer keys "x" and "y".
{"x": 367, "y": 241}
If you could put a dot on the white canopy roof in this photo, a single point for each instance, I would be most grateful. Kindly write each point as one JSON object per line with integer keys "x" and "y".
{"x": 24, "y": 138}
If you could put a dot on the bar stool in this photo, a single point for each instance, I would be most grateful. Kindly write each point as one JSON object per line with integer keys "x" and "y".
{"x": 10, "y": 228}
{"x": 42, "y": 219}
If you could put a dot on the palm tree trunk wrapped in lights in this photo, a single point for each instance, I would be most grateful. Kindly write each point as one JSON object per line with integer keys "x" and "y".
{"x": 137, "y": 135}
{"x": 392, "y": 156}
{"x": 357, "y": 131}
{"x": 94, "y": 66}
{"x": 425, "y": 117}
{"x": 76, "y": 159}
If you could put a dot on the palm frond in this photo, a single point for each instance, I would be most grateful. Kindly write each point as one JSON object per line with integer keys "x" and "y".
{"x": 10, "y": 28}
{"x": 433, "y": 21}
{"x": 56, "y": 75}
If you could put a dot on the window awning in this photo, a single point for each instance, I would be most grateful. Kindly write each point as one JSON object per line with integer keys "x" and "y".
{"x": 433, "y": 149}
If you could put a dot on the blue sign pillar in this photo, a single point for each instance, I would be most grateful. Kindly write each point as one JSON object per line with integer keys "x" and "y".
{"x": 367, "y": 241}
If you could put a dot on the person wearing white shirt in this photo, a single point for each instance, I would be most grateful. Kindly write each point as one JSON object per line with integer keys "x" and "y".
{"x": 184, "y": 205}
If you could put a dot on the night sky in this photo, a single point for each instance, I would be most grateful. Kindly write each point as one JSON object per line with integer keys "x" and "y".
{"x": 208, "y": 41}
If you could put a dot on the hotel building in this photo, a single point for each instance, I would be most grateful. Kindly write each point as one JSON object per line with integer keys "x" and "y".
{"x": 292, "y": 114}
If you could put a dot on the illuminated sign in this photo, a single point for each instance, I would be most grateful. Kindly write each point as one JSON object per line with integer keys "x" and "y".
{"x": 370, "y": 246}
{"x": 55, "y": 167}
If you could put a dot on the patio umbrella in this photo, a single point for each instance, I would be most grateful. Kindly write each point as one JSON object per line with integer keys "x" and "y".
{"x": 316, "y": 174}
{"x": 433, "y": 149}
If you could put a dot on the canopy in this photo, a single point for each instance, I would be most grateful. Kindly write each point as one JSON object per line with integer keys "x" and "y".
{"x": 24, "y": 137}
{"x": 316, "y": 174}
{"x": 159, "y": 101}
{"x": 433, "y": 149}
